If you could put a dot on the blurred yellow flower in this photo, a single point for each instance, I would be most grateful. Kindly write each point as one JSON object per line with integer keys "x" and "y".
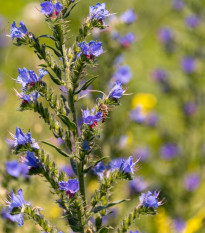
{"x": 130, "y": 138}
{"x": 54, "y": 211}
{"x": 146, "y": 100}
{"x": 93, "y": 185}
{"x": 162, "y": 221}
{"x": 195, "y": 223}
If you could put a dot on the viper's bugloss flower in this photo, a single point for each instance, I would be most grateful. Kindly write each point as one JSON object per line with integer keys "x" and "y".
{"x": 17, "y": 201}
{"x": 71, "y": 185}
{"x": 152, "y": 119}
{"x": 160, "y": 75}
{"x": 118, "y": 60}
{"x": 21, "y": 139}
{"x": 150, "y": 200}
{"x": 99, "y": 12}
{"x": 68, "y": 170}
{"x": 85, "y": 145}
{"x": 92, "y": 49}
{"x": 178, "y": 4}
{"x": 127, "y": 40}
{"x": 189, "y": 108}
{"x": 191, "y": 182}
{"x": 29, "y": 77}
{"x": 99, "y": 170}
{"x": 137, "y": 185}
{"x": 142, "y": 153}
{"x": 134, "y": 231}
{"x": 16, "y": 32}
{"x": 117, "y": 91}
{"x": 123, "y": 74}
{"x": 90, "y": 117}
{"x": 169, "y": 151}
{"x": 192, "y": 21}
{"x": 47, "y": 8}
{"x": 15, "y": 169}
{"x": 128, "y": 16}
{"x": 188, "y": 65}
{"x": 179, "y": 225}
{"x": 165, "y": 35}
{"x": 31, "y": 160}
{"x": 138, "y": 115}
{"x": 32, "y": 97}
{"x": 5, "y": 214}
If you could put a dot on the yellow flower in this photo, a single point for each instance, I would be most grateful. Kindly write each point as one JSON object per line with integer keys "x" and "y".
{"x": 93, "y": 185}
{"x": 162, "y": 221}
{"x": 195, "y": 223}
{"x": 146, "y": 100}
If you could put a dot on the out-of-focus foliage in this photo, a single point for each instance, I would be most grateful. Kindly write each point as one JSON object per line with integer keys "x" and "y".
{"x": 161, "y": 123}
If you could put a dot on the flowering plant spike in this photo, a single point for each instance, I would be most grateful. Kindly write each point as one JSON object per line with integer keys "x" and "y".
{"x": 66, "y": 69}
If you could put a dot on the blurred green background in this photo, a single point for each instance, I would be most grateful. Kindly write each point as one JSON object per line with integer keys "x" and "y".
{"x": 143, "y": 57}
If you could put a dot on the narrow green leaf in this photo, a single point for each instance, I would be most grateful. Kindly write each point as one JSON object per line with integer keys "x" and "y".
{"x": 99, "y": 208}
{"x": 104, "y": 230}
{"x": 67, "y": 13}
{"x": 71, "y": 125}
{"x": 55, "y": 51}
{"x": 47, "y": 36}
{"x": 55, "y": 80}
{"x": 85, "y": 85}
{"x": 58, "y": 149}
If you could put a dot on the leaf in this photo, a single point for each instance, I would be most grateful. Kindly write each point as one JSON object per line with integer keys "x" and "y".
{"x": 58, "y": 149}
{"x": 55, "y": 51}
{"x": 99, "y": 208}
{"x": 71, "y": 125}
{"x": 74, "y": 166}
{"x": 47, "y": 36}
{"x": 55, "y": 80}
{"x": 85, "y": 85}
{"x": 67, "y": 13}
{"x": 104, "y": 230}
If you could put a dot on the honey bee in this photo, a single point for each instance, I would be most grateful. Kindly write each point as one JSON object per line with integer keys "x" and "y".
{"x": 104, "y": 110}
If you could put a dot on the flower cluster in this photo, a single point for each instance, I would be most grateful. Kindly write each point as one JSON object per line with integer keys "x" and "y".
{"x": 47, "y": 8}
{"x": 18, "y": 32}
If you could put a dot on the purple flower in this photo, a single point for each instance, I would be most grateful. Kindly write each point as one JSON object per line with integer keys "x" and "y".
{"x": 191, "y": 182}
{"x": 169, "y": 150}
{"x": 68, "y": 170}
{"x": 31, "y": 160}
{"x": 98, "y": 13}
{"x": 123, "y": 74}
{"x": 137, "y": 115}
{"x": 118, "y": 60}
{"x": 160, "y": 75}
{"x": 90, "y": 117}
{"x": 16, "y": 169}
{"x": 152, "y": 119}
{"x": 32, "y": 97}
{"x": 21, "y": 139}
{"x": 17, "y": 201}
{"x": 128, "y": 16}
{"x": 142, "y": 153}
{"x": 192, "y": 21}
{"x": 165, "y": 35}
{"x": 179, "y": 225}
{"x": 127, "y": 166}
{"x": 47, "y": 8}
{"x": 29, "y": 77}
{"x": 16, "y": 32}
{"x": 134, "y": 231}
{"x": 92, "y": 49}
{"x": 5, "y": 214}
{"x": 188, "y": 65}
{"x": 189, "y": 108}
{"x": 117, "y": 91}
{"x": 150, "y": 200}
{"x": 99, "y": 170}
{"x": 85, "y": 145}
{"x": 137, "y": 185}
{"x": 178, "y": 4}
{"x": 127, "y": 40}
{"x": 71, "y": 185}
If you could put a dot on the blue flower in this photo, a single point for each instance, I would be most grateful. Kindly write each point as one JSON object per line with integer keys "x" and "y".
{"x": 99, "y": 12}
{"x": 47, "y": 8}
{"x": 134, "y": 231}
{"x": 137, "y": 185}
{"x": 117, "y": 91}
{"x": 90, "y": 117}
{"x": 138, "y": 115}
{"x": 99, "y": 170}
{"x": 123, "y": 74}
{"x": 32, "y": 97}
{"x": 128, "y": 16}
{"x": 116, "y": 164}
{"x": 178, "y": 4}
{"x": 92, "y": 49}
{"x": 192, "y": 21}
{"x": 21, "y": 139}
{"x": 85, "y": 145}
{"x": 165, "y": 35}
{"x": 128, "y": 166}
{"x": 71, "y": 185}
{"x": 191, "y": 182}
{"x": 17, "y": 201}
{"x": 16, "y": 169}
{"x": 188, "y": 65}
{"x": 31, "y": 160}
{"x": 16, "y": 32}
{"x": 29, "y": 77}
{"x": 68, "y": 170}
{"x": 127, "y": 40}
{"x": 149, "y": 200}
{"x": 169, "y": 150}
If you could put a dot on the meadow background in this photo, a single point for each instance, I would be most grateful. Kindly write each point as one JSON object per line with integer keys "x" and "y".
{"x": 184, "y": 210}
